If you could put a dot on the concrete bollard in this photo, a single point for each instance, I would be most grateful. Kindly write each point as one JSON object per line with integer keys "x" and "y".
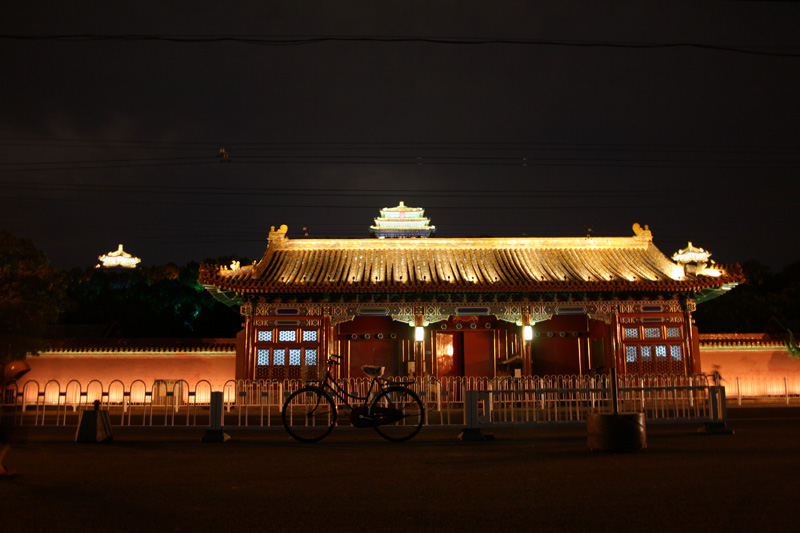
{"x": 214, "y": 432}
{"x": 94, "y": 426}
{"x": 618, "y": 432}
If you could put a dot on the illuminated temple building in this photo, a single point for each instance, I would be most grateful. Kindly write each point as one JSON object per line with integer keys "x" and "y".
{"x": 401, "y": 222}
{"x": 119, "y": 258}
{"x": 468, "y": 306}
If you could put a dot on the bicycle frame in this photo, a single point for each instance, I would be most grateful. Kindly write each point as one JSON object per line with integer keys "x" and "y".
{"x": 393, "y": 409}
{"x": 330, "y": 385}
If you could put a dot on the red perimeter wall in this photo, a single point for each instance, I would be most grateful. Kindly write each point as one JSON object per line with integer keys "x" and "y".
{"x": 107, "y": 367}
{"x": 766, "y": 362}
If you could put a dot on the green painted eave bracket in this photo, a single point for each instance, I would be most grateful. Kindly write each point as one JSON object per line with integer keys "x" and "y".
{"x": 229, "y": 298}
{"x": 709, "y": 294}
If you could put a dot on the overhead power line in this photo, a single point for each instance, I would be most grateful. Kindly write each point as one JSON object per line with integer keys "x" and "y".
{"x": 297, "y": 40}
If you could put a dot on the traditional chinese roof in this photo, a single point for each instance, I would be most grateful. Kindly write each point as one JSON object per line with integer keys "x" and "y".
{"x": 402, "y": 221}
{"x": 465, "y": 264}
{"x": 141, "y": 346}
{"x": 691, "y": 254}
{"x": 740, "y": 340}
{"x": 119, "y": 258}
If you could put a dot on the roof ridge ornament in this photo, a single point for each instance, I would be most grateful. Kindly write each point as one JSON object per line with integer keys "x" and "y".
{"x": 275, "y": 239}
{"x": 643, "y": 233}
{"x": 278, "y": 238}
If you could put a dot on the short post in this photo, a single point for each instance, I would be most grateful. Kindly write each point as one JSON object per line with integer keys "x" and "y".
{"x": 472, "y": 432}
{"x": 214, "y": 432}
{"x": 616, "y": 432}
{"x": 719, "y": 413}
{"x": 94, "y": 426}
{"x": 614, "y": 392}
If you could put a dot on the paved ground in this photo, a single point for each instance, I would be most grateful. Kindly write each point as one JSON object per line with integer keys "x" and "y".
{"x": 540, "y": 479}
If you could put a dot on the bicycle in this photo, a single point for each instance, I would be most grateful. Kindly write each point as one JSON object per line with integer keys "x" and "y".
{"x": 309, "y": 414}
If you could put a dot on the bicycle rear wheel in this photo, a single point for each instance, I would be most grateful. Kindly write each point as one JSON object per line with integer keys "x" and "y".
{"x": 309, "y": 414}
{"x": 398, "y": 413}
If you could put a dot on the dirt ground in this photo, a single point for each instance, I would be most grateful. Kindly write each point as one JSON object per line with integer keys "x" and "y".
{"x": 542, "y": 479}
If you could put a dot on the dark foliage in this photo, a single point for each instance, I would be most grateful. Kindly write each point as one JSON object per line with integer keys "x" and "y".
{"x": 163, "y": 301}
{"x": 31, "y": 297}
{"x": 767, "y": 302}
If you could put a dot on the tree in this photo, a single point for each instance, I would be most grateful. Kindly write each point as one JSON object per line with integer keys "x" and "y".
{"x": 757, "y": 305}
{"x": 32, "y": 296}
{"x": 161, "y": 301}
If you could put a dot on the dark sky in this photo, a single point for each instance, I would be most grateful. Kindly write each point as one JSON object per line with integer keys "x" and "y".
{"x": 500, "y": 118}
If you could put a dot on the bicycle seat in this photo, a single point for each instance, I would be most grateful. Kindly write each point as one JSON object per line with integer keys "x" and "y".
{"x": 373, "y": 371}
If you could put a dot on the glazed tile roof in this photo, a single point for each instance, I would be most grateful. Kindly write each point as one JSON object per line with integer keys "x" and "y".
{"x": 740, "y": 340}
{"x": 141, "y": 346}
{"x": 448, "y": 265}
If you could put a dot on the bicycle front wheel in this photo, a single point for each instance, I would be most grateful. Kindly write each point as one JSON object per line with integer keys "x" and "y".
{"x": 309, "y": 414}
{"x": 398, "y": 413}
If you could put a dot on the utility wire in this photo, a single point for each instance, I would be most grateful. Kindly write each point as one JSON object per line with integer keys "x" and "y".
{"x": 297, "y": 40}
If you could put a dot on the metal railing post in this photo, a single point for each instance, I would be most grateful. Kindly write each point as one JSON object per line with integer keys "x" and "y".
{"x": 739, "y": 388}
{"x": 786, "y": 389}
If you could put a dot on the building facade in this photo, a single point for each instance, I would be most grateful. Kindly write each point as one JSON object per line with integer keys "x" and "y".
{"x": 483, "y": 307}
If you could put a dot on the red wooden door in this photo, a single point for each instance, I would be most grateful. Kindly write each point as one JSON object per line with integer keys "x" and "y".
{"x": 479, "y": 353}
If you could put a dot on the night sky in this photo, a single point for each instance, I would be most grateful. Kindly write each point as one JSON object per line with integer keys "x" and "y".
{"x": 500, "y": 118}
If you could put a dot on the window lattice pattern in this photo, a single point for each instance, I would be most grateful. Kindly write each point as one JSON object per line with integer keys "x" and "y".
{"x": 630, "y": 354}
{"x": 263, "y": 357}
{"x": 264, "y": 335}
{"x": 309, "y": 335}
{"x": 676, "y": 352}
{"x": 661, "y": 352}
{"x": 279, "y": 357}
{"x": 294, "y": 357}
{"x": 288, "y": 335}
{"x": 631, "y": 333}
{"x": 673, "y": 333}
{"x": 652, "y": 333}
{"x": 647, "y": 353}
{"x": 311, "y": 357}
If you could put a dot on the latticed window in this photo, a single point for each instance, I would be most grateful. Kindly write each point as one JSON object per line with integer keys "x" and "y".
{"x": 630, "y": 354}
{"x": 287, "y": 335}
{"x": 647, "y": 353}
{"x": 652, "y": 333}
{"x": 280, "y": 352}
{"x": 673, "y": 333}
{"x": 631, "y": 333}
{"x": 676, "y": 352}
{"x": 661, "y": 352}
{"x": 311, "y": 356}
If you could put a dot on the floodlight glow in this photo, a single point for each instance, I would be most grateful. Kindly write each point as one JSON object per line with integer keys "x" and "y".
{"x": 527, "y": 333}
{"x": 419, "y": 334}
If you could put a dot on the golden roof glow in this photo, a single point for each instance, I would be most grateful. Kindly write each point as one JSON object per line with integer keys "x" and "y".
{"x": 691, "y": 254}
{"x": 118, "y": 258}
{"x": 364, "y": 265}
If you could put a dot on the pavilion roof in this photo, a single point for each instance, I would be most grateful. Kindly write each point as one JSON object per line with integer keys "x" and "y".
{"x": 463, "y": 264}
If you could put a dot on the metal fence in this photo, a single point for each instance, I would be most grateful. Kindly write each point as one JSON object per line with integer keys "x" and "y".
{"x": 783, "y": 389}
{"x": 569, "y": 399}
{"x": 522, "y": 401}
